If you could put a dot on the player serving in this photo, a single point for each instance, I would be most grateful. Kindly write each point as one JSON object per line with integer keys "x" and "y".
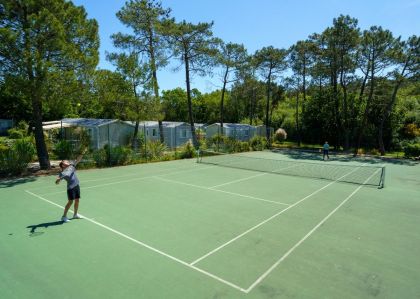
{"x": 68, "y": 173}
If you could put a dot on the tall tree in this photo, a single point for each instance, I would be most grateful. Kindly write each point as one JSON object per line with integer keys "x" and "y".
{"x": 135, "y": 72}
{"x": 144, "y": 17}
{"x": 271, "y": 63}
{"x": 376, "y": 51}
{"x": 407, "y": 61}
{"x": 195, "y": 47}
{"x": 343, "y": 41}
{"x": 300, "y": 59}
{"x": 231, "y": 58}
{"x": 40, "y": 37}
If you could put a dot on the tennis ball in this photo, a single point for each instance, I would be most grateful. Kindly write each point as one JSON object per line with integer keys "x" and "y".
{"x": 78, "y": 104}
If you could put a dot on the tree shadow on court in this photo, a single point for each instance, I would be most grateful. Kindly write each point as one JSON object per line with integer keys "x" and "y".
{"x": 15, "y": 182}
{"x": 34, "y": 227}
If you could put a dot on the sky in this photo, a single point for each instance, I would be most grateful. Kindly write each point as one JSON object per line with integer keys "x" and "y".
{"x": 258, "y": 23}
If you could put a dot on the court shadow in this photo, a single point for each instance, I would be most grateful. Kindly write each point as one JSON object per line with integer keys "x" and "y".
{"x": 7, "y": 183}
{"x": 44, "y": 225}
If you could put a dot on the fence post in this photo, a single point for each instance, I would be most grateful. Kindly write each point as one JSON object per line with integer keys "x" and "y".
{"x": 145, "y": 141}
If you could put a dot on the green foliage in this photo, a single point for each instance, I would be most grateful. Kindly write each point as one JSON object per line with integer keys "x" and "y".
{"x": 155, "y": 150}
{"x": 226, "y": 144}
{"x": 258, "y": 143}
{"x": 119, "y": 155}
{"x": 187, "y": 151}
{"x": 63, "y": 149}
{"x": 15, "y": 133}
{"x": 112, "y": 156}
{"x": 101, "y": 157}
{"x": 14, "y": 160}
{"x": 18, "y": 132}
{"x": 412, "y": 150}
{"x": 412, "y": 131}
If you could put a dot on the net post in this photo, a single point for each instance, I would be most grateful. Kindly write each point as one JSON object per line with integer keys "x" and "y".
{"x": 382, "y": 182}
{"x": 198, "y": 155}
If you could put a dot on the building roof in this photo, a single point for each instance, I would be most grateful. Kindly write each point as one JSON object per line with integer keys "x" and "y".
{"x": 234, "y": 126}
{"x": 88, "y": 122}
{"x": 78, "y": 122}
{"x": 166, "y": 124}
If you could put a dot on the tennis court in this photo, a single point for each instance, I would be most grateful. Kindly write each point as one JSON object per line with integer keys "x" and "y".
{"x": 183, "y": 229}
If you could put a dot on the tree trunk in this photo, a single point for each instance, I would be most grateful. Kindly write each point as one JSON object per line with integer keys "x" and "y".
{"x": 41, "y": 148}
{"x": 155, "y": 82}
{"x": 304, "y": 86}
{"x": 297, "y": 118}
{"x": 35, "y": 96}
{"x": 223, "y": 99}
{"x": 387, "y": 113}
{"x": 345, "y": 123}
{"x": 190, "y": 112}
{"x": 367, "y": 108}
{"x": 267, "y": 108}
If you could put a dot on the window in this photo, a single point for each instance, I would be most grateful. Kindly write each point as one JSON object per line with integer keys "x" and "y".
{"x": 154, "y": 132}
{"x": 184, "y": 133}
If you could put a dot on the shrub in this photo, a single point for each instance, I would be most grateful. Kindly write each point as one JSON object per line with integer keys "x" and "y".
{"x": 216, "y": 142}
{"x": 155, "y": 150}
{"x": 119, "y": 155}
{"x": 19, "y": 132}
{"x": 112, "y": 156}
{"x": 412, "y": 150}
{"x": 15, "y": 133}
{"x": 101, "y": 157}
{"x": 63, "y": 149}
{"x": 280, "y": 135}
{"x": 258, "y": 143}
{"x": 14, "y": 160}
{"x": 187, "y": 151}
{"x": 25, "y": 149}
{"x": 375, "y": 152}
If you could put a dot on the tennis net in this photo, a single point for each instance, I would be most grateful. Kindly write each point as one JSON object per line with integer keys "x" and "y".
{"x": 361, "y": 175}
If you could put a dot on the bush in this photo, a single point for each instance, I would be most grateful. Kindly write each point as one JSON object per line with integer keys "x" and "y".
{"x": 14, "y": 160}
{"x": 101, "y": 157}
{"x": 18, "y": 132}
{"x": 187, "y": 151}
{"x": 216, "y": 142}
{"x": 15, "y": 133}
{"x": 155, "y": 150}
{"x": 63, "y": 150}
{"x": 280, "y": 135}
{"x": 119, "y": 155}
{"x": 258, "y": 143}
{"x": 113, "y": 156}
{"x": 412, "y": 150}
{"x": 375, "y": 152}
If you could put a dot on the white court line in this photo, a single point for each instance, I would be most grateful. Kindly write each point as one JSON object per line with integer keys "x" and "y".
{"x": 251, "y": 177}
{"x": 306, "y": 236}
{"x": 148, "y": 246}
{"x": 267, "y": 220}
{"x": 222, "y": 191}
{"x": 104, "y": 179}
{"x": 130, "y": 180}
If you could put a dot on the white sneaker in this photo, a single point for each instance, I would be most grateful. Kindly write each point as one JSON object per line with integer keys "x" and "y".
{"x": 77, "y": 216}
{"x": 65, "y": 219}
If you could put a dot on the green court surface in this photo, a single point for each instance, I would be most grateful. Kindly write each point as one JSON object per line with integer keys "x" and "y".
{"x": 183, "y": 229}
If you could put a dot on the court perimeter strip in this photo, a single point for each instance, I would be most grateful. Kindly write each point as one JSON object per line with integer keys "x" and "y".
{"x": 191, "y": 266}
